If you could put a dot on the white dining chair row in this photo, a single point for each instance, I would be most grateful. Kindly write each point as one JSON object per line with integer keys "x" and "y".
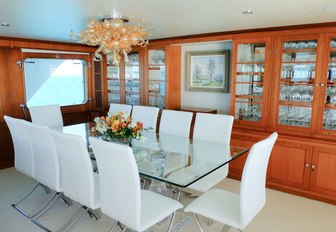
{"x": 61, "y": 162}
{"x": 208, "y": 127}
{"x": 39, "y": 155}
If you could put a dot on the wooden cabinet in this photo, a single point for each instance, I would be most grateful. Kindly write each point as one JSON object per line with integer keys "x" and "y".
{"x": 250, "y": 82}
{"x": 299, "y": 166}
{"x": 125, "y": 79}
{"x": 304, "y": 169}
{"x": 323, "y": 171}
{"x": 163, "y": 77}
{"x": 298, "y": 69}
{"x": 285, "y": 83}
{"x": 151, "y": 77}
{"x": 326, "y": 85}
{"x": 290, "y": 164}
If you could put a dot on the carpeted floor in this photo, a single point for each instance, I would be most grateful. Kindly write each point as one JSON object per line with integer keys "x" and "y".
{"x": 282, "y": 213}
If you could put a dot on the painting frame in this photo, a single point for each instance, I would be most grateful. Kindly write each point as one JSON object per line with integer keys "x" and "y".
{"x": 216, "y": 80}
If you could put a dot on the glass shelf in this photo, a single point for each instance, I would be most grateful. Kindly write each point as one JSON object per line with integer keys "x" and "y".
{"x": 249, "y": 82}
{"x": 157, "y": 78}
{"x": 329, "y": 116}
{"x": 128, "y": 85}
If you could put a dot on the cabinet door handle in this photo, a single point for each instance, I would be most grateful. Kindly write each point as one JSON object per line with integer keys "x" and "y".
{"x": 313, "y": 167}
{"x": 322, "y": 84}
{"x": 307, "y": 165}
{"x": 317, "y": 84}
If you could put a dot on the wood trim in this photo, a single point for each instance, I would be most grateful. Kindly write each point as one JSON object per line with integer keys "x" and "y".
{"x": 248, "y": 33}
{"x": 173, "y": 75}
{"x": 267, "y": 79}
{"x": 42, "y": 44}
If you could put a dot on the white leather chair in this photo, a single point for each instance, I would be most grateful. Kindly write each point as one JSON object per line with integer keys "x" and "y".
{"x": 23, "y": 154}
{"x": 121, "y": 195}
{"x": 47, "y": 166}
{"x": 48, "y": 115}
{"x": 175, "y": 123}
{"x": 147, "y": 115}
{"x": 212, "y": 128}
{"x": 116, "y": 108}
{"x": 233, "y": 209}
{"x": 79, "y": 182}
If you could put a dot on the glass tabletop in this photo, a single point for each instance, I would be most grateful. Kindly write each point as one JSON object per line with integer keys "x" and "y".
{"x": 175, "y": 160}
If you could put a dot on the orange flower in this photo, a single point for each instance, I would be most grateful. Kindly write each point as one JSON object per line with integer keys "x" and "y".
{"x": 139, "y": 125}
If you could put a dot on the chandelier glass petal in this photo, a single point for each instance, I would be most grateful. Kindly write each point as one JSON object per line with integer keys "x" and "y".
{"x": 114, "y": 37}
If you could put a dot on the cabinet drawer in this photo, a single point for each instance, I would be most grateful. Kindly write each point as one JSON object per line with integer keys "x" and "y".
{"x": 289, "y": 164}
{"x": 323, "y": 172}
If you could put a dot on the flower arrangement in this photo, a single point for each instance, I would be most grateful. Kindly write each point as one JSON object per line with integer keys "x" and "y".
{"x": 117, "y": 127}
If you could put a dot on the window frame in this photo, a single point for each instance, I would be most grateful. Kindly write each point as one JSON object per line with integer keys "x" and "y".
{"x": 86, "y": 57}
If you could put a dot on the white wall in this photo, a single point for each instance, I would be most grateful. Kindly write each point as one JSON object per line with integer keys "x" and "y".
{"x": 219, "y": 101}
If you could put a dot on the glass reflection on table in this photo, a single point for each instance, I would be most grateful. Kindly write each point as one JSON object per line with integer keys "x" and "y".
{"x": 175, "y": 160}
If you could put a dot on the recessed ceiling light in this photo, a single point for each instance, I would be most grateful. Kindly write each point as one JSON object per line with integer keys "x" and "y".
{"x": 248, "y": 12}
{"x": 4, "y": 24}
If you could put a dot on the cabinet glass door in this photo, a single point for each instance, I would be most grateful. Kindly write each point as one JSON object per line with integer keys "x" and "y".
{"x": 157, "y": 78}
{"x": 132, "y": 79}
{"x": 329, "y": 119}
{"x": 249, "y": 82}
{"x": 123, "y": 80}
{"x": 297, "y": 82}
{"x": 113, "y": 81}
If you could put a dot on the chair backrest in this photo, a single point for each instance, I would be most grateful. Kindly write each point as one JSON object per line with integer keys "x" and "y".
{"x": 23, "y": 151}
{"x": 48, "y": 115}
{"x": 252, "y": 190}
{"x": 119, "y": 182}
{"x": 116, "y": 108}
{"x": 213, "y": 128}
{"x": 147, "y": 115}
{"x": 46, "y": 161}
{"x": 76, "y": 168}
{"x": 175, "y": 123}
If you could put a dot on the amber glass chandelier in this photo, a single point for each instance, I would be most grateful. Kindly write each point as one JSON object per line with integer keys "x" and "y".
{"x": 114, "y": 37}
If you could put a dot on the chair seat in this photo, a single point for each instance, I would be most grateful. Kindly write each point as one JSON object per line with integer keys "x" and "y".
{"x": 155, "y": 208}
{"x": 219, "y": 205}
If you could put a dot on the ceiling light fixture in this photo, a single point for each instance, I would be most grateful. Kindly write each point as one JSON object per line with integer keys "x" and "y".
{"x": 113, "y": 36}
{"x": 248, "y": 12}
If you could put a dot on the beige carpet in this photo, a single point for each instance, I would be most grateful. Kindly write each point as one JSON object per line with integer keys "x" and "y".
{"x": 282, "y": 213}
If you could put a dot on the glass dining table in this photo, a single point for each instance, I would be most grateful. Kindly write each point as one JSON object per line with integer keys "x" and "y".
{"x": 170, "y": 159}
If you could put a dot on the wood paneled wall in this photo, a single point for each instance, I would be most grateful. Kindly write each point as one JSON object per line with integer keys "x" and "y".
{"x": 12, "y": 92}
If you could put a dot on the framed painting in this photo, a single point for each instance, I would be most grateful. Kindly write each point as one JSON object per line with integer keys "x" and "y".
{"x": 207, "y": 71}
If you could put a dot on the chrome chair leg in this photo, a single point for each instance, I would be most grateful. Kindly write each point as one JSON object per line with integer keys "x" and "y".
{"x": 79, "y": 219}
{"x": 209, "y": 222}
{"x": 171, "y": 222}
{"x": 41, "y": 226}
{"x": 71, "y": 219}
{"x": 198, "y": 223}
{"x": 46, "y": 206}
{"x": 66, "y": 199}
{"x": 178, "y": 196}
{"x": 46, "y": 188}
{"x": 94, "y": 213}
{"x": 15, "y": 204}
{"x": 114, "y": 226}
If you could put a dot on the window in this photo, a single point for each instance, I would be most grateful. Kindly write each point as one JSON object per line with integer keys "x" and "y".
{"x": 55, "y": 81}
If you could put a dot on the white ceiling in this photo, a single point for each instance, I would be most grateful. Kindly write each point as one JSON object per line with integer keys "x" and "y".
{"x": 53, "y": 19}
